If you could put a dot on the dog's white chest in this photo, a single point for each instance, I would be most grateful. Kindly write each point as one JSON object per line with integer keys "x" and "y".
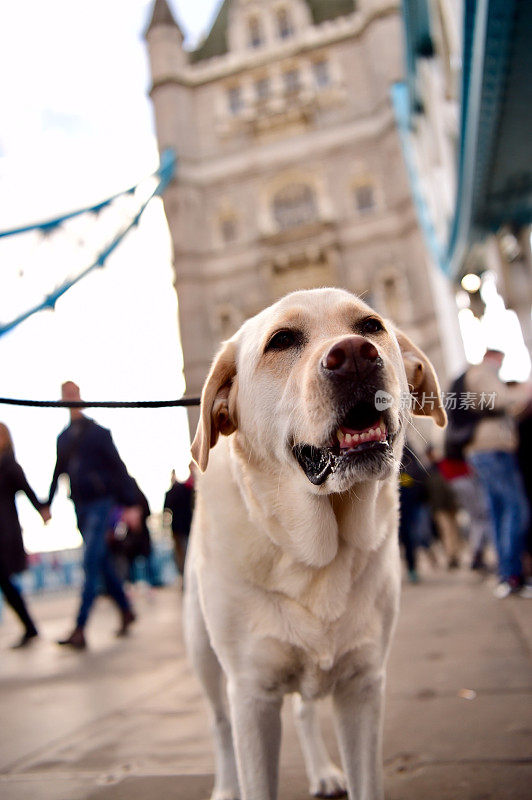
{"x": 296, "y": 652}
{"x": 313, "y": 675}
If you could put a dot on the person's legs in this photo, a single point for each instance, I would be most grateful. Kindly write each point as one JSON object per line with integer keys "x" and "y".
{"x": 179, "y": 551}
{"x": 92, "y": 520}
{"x": 113, "y": 582}
{"x": 450, "y": 536}
{"x": 514, "y": 518}
{"x": 472, "y": 498}
{"x": 92, "y": 523}
{"x": 15, "y": 599}
{"x": 152, "y": 570}
{"x": 500, "y": 477}
{"x": 485, "y": 465}
{"x": 407, "y": 531}
{"x": 116, "y": 592}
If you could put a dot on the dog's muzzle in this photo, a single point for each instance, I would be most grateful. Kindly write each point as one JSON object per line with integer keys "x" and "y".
{"x": 361, "y": 435}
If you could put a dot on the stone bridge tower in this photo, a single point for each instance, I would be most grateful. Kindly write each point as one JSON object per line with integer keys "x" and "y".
{"x": 290, "y": 171}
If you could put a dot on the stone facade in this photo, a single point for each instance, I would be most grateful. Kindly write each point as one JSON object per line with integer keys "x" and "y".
{"x": 290, "y": 171}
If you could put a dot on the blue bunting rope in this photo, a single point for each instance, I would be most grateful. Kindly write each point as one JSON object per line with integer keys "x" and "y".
{"x": 50, "y": 225}
{"x": 164, "y": 173}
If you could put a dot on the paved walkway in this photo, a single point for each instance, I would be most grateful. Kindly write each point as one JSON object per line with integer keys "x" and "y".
{"x": 126, "y": 719}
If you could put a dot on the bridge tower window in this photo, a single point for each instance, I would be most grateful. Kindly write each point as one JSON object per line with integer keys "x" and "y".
{"x": 321, "y": 73}
{"x": 291, "y": 81}
{"x": 255, "y": 33}
{"x": 262, "y": 89}
{"x": 284, "y": 25}
{"x": 364, "y": 197}
{"x": 295, "y": 205}
{"x": 229, "y": 229}
{"x": 234, "y": 97}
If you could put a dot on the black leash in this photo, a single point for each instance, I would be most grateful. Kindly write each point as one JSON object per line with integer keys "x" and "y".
{"x": 183, "y": 401}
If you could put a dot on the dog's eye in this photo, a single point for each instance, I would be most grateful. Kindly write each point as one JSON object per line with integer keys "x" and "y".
{"x": 283, "y": 340}
{"x": 371, "y": 325}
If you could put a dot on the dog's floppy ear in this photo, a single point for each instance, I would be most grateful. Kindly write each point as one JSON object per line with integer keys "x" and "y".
{"x": 422, "y": 382}
{"x": 218, "y": 412}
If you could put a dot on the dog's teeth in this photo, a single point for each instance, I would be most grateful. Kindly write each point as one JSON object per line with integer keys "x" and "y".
{"x": 340, "y": 436}
{"x": 348, "y": 438}
{"x": 355, "y": 438}
{"x": 363, "y": 437}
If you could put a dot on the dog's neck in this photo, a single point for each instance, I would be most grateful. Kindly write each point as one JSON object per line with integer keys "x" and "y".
{"x": 312, "y": 527}
{"x": 314, "y": 547}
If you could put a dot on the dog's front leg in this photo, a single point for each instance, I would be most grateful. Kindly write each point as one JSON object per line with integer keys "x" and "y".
{"x": 358, "y": 707}
{"x": 326, "y": 780}
{"x": 256, "y": 723}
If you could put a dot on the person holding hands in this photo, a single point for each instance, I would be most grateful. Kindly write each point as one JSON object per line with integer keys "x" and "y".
{"x": 12, "y": 553}
{"x": 99, "y": 482}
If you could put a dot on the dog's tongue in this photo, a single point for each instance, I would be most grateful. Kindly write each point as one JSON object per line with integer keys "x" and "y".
{"x": 316, "y": 463}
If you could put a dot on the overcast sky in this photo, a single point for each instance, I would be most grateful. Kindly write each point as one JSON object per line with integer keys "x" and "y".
{"x": 76, "y": 126}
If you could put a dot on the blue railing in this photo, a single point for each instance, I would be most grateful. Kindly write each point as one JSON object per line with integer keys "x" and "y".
{"x": 61, "y": 571}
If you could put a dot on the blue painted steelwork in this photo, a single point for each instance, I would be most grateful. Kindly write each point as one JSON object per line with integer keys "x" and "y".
{"x": 164, "y": 173}
{"x": 418, "y": 43}
{"x": 494, "y": 170}
{"x": 401, "y": 105}
{"x": 489, "y": 29}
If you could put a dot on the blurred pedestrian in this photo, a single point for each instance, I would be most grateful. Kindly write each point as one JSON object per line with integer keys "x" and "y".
{"x": 99, "y": 482}
{"x": 12, "y": 553}
{"x": 471, "y": 498}
{"x": 413, "y": 497}
{"x": 179, "y": 500}
{"x": 444, "y": 508}
{"x": 462, "y": 420}
{"x": 492, "y": 453}
{"x": 129, "y": 545}
{"x": 525, "y": 463}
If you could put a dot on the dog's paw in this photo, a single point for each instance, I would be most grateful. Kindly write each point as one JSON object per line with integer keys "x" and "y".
{"x": 330, "y": 783}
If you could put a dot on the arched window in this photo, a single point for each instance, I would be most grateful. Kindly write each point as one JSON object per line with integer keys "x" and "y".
{"x": 262, "y": 89}
{"x": 255, "y": 33}
{"x": 295, "y": 205}
{"x": 321, "y": 73}
{"x": 392, "y": 294}
{"x": 292, "y": 82}
{"x": 364, "y": 197}
{"x": 284, "y": 26}
{"x": 228, "y": 229}
{"x": 234, "y": 99}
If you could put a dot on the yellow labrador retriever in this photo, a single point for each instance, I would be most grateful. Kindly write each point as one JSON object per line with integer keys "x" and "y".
{"x": 293, "y": 572}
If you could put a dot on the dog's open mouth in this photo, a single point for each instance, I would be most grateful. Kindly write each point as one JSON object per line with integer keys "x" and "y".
{"x": 362, "y": 433}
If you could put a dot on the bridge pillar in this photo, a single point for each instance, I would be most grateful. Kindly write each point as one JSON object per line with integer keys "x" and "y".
{"x": 515, "y": 276}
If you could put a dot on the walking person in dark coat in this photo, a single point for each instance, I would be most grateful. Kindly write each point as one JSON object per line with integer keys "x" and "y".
{"x": 413, "y": 497}
{"x": 179, "y": 499}
{"x": 128, "y": 545}
{"x": 99, "y": 482}
{"x": 444, "y": 508}
{"x": 12, "y": 554}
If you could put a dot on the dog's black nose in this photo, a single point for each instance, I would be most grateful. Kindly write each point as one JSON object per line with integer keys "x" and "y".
{"x": 351, "y": 356}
